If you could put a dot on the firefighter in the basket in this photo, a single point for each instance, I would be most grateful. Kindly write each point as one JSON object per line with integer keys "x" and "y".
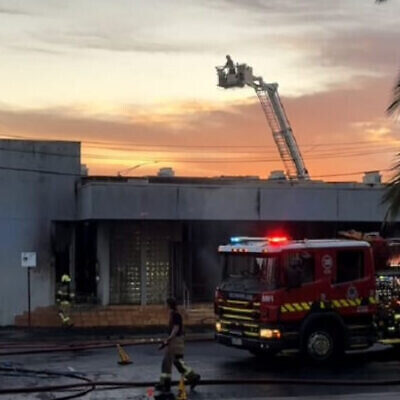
{"x": 64, "y": 298}
{"x": 174, "y": 351}
{"x": 229, "y": 65}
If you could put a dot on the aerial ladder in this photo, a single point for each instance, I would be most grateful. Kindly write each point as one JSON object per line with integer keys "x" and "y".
{"x": 271, "y": 104}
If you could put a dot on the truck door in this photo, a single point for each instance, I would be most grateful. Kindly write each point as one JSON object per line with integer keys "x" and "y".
{"x": 299, "y": 277}
{"x": 352, "y": 282}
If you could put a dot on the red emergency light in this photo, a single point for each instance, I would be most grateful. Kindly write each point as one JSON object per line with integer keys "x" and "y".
{"x": 277, "y": 239}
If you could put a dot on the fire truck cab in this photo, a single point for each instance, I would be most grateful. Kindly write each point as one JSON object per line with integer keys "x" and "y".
{"x": 318, "y": 296}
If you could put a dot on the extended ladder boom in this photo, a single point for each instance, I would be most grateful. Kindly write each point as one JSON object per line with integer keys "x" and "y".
{"x": 274, "y": 112}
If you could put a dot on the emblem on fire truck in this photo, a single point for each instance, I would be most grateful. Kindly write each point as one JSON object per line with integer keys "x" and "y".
{"x": 327, "y": 263}
{"x": 352, "y": 293}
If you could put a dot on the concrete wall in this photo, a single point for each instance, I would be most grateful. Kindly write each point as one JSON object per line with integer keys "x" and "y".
{"x": 37, "y": 181}
{"x": 213, "y": 212}
{"x": 103, "y": 258}
{"x": 257, "y": 202}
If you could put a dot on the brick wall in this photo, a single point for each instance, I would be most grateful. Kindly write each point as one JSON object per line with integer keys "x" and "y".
{"x": 117, "y": 316}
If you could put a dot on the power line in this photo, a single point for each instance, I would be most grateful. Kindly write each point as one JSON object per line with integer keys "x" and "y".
{"x": 88, "y": 155}
{"x": 40, "y": 171}
{"x": 253, "y": 160}
{"x": 323, "y": 155}
{"x": 354, "y": 144}
{"x": 169, "y": 145}
{"x": 39, "y": 152}
{"x": 241, "y": 150}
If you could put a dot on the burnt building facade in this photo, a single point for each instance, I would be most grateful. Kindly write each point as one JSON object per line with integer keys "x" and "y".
{"x": 134, "y": 241}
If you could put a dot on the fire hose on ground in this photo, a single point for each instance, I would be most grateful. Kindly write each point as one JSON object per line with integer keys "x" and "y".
{"x": 84, "y": 387}
{"x": 32, "y": 349}
{"x": 89, "y": 385}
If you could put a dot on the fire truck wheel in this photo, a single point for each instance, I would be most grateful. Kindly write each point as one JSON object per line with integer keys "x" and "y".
{"x": 322, "y": 344}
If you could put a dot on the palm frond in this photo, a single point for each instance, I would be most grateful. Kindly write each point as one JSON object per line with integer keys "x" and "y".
{"x": 392, "y": 192}
{"x": 395, "y": 106}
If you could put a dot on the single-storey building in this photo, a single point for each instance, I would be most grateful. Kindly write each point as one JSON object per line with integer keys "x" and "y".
{"x": 132, "y": 241}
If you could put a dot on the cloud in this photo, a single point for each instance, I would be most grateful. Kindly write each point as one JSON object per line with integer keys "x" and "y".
{"x": 38, "y": 8}
{"x": 300, "y": 16}
{"x": 353, "y": 30}
{"x": 306, "y": 10}
{"x": 265, "y": 6}
{"x": 342, "y": 130}
{"x": 13, "y": 11}
{"x": 118, "y": 41}
{"x": 372, "y": 50}
{"x": 38, "y": 50}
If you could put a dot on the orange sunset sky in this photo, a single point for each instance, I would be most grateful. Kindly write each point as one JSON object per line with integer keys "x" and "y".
{"x": 135, "y": 82}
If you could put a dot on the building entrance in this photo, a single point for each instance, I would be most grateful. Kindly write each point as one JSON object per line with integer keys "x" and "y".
{"x": 140, "y": 266}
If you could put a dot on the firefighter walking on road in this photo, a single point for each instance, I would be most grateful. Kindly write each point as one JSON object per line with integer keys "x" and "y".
{"x": 174, "y": 351}
{"x": 64, "y": 298}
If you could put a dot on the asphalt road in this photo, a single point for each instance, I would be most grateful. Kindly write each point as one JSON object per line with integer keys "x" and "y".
{"x": 212, "y": 361}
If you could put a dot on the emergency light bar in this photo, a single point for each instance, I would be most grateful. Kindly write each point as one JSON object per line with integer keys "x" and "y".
{"x": 277, "y": 239}
{"x": 240, "y": 239}
{"x": 272, "y": 239}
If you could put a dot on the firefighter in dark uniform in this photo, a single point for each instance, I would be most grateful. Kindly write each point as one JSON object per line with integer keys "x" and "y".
{"x": 63, "y": 299}
{"x": 229, "y": 65}
{"x": 174, "y": 350}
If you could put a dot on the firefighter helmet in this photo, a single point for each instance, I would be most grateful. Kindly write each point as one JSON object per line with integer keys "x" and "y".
{"x": 65, "y": 278}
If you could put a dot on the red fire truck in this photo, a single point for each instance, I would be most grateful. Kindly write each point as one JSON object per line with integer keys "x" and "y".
{"x": 319, "y": 296}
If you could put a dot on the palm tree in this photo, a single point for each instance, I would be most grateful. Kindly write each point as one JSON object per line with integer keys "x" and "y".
{"x": 391, "y": 197}
{"x": 395, "y": 106}
{"x": 392, "y": 192}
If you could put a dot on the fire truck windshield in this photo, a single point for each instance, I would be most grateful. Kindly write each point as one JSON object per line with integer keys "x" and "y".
{"x": 262, "y": 269}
